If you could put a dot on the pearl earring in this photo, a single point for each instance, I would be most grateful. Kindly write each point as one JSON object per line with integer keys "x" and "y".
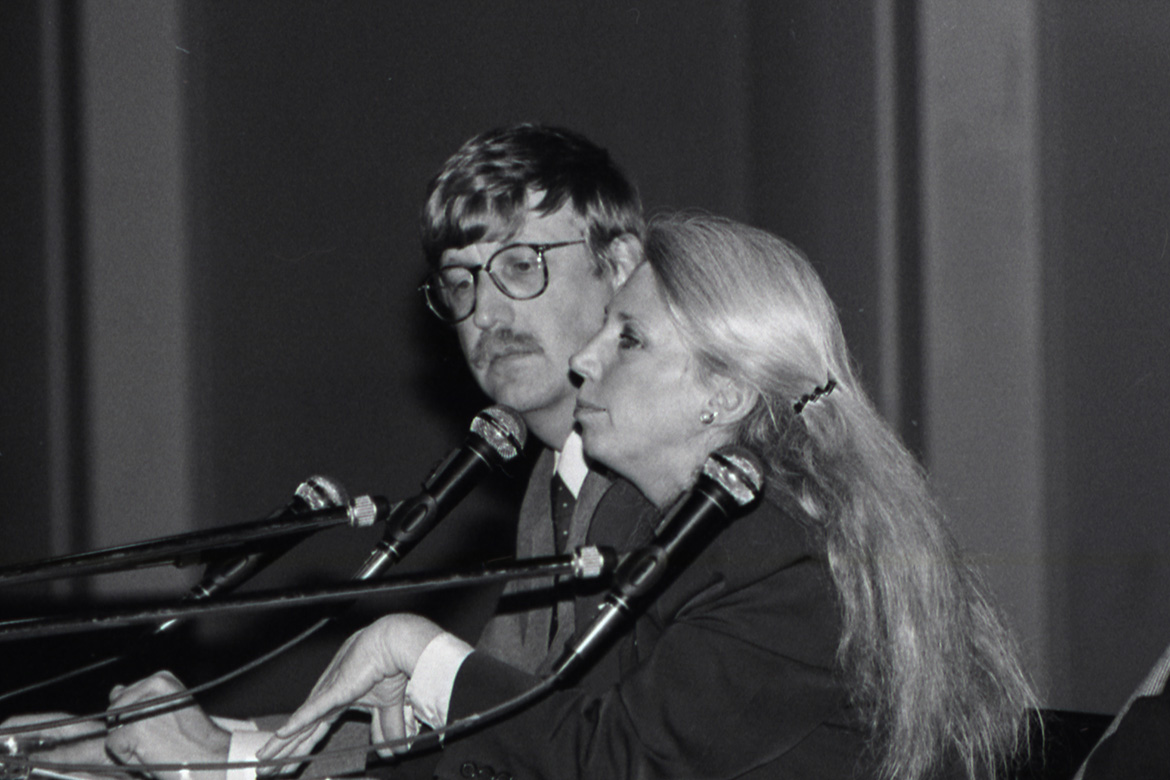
{"x": 707, "y": 417}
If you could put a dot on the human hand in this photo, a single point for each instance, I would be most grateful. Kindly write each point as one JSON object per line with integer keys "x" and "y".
{"x": 179, "y": 732}
{"x": 369, "y": 672}
{"x": 77, "y": 743}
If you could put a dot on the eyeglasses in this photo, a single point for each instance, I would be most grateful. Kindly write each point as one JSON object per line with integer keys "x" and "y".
{"x": 518, "y": 270}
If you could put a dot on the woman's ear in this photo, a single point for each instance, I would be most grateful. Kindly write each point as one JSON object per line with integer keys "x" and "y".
{"x": 625, "y": 253}
{"x": 731, "y": 401}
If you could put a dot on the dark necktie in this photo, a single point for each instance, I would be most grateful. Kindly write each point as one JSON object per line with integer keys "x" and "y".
{"x": 562, "y": 501}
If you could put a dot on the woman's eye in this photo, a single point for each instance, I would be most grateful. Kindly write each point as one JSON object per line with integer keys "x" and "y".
{"x": 628, "y": 340}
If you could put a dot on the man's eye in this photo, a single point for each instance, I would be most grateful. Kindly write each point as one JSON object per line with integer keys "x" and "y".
{"x": 520, "y": 265}
{"x": 457, "y": 283}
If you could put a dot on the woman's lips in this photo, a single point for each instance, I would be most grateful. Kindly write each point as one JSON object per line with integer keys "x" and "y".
{"x": 584, "y": 407}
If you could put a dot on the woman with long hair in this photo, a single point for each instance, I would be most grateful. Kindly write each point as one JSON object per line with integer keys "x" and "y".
{"x": 926, "y": 657}
{"x": 832, "y": 631}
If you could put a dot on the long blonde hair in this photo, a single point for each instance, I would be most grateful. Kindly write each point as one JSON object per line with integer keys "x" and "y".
{"x": 928, "y": 662}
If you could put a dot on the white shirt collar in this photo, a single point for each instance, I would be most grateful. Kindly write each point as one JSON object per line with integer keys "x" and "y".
{"x": 570, "y": 463}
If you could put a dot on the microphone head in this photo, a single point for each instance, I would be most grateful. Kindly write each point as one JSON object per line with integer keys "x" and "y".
{"x": 737, "y": 470}
{"x": 503, "y": 429}
{"x": 320, "y": 492}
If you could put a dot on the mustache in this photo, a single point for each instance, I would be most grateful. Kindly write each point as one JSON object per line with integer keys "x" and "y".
{"x": 497, "y": 343}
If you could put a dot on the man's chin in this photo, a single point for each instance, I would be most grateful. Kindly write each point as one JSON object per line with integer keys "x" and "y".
{"x": 523, "y": 396}
{"x": 521, "y": 399}
{"x": 511, "y": 381}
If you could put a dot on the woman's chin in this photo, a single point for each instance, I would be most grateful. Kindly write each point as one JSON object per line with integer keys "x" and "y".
{"x": 595, "y": 447}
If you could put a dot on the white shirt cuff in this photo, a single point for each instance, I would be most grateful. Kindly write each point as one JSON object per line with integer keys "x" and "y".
{"x": 429, "y": 691}
{"x": 246, "y": 741}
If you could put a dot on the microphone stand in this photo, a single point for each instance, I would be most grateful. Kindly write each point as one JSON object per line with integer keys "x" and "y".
{"x": 182, "y": 549}
{"x": 226, "y": 568}
{"x": 584, "y": 563}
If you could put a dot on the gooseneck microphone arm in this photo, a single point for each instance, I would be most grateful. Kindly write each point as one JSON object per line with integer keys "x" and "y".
{"x": 235, "y": 568}
{"x": 584, "y": 563}
{"x": 229, "y": 571}
{"x": 183, "y": 548}
{"x": 497, "y": 436}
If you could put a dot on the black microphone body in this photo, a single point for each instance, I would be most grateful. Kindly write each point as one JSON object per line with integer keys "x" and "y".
{"x": 731, "y": 479}
{"x": 192, "y": 547}
{"x": 497, "y": 436}
{"x": 316, "y": 492}
{"x": 227, "y": 573}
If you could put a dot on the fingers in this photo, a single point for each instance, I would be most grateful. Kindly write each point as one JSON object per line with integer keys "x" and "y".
{"x": 155, "y": 686}
{"x": 388, "y": 724}
{"x": 299, "y": 744}
{"x": 121, "y": 744}
{"x": 324, "y": 706}
{"x": 346, "y": 680}
{"x": 311, "y": 721}
{"x": 332, "y": 695}
{"x": 364, "y": 672}
{"x": 176, "y": 732}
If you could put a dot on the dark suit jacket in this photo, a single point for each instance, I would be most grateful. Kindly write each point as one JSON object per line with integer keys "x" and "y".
{"x": 1135, "y": 744}
{"x": 1139, "y": 748}
{"x": 729, "y": 672}
{"x": 519, "y": 631}
{"x": 518, "y": 634}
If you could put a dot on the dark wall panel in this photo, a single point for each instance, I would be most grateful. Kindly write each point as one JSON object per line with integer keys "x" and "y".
{"x": 1107, "y": 259}
{"x": 24, "y": 453}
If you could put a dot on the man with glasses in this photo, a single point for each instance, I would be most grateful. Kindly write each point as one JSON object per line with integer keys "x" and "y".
{"x": 528, "y": 232}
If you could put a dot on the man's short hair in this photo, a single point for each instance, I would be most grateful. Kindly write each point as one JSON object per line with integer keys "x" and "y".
{"x": 486, "y": 184}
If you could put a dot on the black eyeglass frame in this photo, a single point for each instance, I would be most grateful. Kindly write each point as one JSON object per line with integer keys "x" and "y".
{"x": 432, "y": 280}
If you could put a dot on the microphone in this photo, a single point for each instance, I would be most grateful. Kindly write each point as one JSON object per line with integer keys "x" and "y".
{"x": 187, "y": 548}
{"x": 316, "y": 492}
{"x": 497, "y": 436}
{"x": 731, "y": 479}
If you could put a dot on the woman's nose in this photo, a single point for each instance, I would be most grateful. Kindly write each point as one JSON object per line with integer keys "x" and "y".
{"x": 586, "y": 363}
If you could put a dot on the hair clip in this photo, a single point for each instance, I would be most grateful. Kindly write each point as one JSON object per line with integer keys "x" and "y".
{"x": 817, "y": 394}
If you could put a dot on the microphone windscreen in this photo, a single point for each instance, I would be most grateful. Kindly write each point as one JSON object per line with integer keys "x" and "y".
{"x": 320, "y": 492}
{"x": 738, "y": 471}
{"x": 503, "y": 429}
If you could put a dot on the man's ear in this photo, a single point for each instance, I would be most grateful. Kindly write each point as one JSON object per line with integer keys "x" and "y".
{"x": 731, "y": 401}
{"x": 625, "y": 253}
